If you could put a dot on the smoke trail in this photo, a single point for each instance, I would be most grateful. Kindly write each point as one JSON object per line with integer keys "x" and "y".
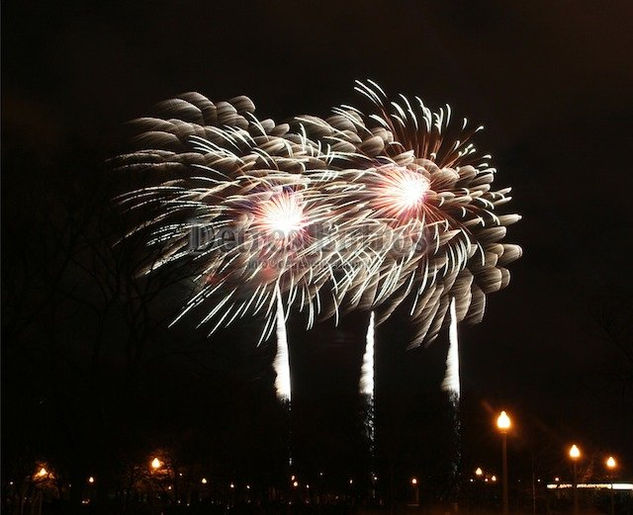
{"x": 367, "y": 369}
{"x": 452, "y": 387}
{"x": 282, "y": 360}
{"x": 367, "y": 392}
{"x": 281, "y": 364}
{"x": 451, "y": 379}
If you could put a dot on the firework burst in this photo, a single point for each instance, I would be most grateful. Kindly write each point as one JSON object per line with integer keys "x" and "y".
{"x": 370, "y": 211}
{"x": 423, "y": 178}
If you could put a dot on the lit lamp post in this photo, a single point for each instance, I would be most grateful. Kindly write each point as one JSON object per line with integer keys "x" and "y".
{"x": 611, "y": 466}
{"x": 504, "y": 424}
{"x": 574, "y": 454}
{"x": 416, "y": 490}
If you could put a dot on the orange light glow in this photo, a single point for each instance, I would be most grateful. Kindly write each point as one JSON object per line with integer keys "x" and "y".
{"x": 503, "y": 422}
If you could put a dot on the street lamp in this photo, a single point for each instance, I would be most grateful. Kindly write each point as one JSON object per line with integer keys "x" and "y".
{"x": 416, "y": 490}
{"x": 574, "y": 454}
{"x": 611, "y": 466}
{"x": 156, "y": 464}
{"x": 479, "y": 472}
{"x": 504, "y": 424}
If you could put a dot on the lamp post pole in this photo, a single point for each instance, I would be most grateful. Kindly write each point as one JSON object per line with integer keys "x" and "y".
{"x": 574, "y": 454}
{"x": 504, "y": 424}
{"x": 504, "y": 454}
{"x": 611, "y": 465}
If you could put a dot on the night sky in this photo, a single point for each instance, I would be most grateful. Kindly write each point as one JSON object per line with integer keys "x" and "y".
{"x": 551, "y": 82}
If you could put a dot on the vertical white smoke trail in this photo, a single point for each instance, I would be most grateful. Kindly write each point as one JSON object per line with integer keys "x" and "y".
{"x": 282, "y": 358}
{"x": 367, "y": 369}
{"x": 452, "y": 387}
{"x": 451, "y": 379}
{"x": 367, "y": 392}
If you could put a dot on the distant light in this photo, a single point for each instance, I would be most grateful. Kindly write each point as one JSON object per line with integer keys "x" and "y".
{"x": 169, "y": 487}
{"x": 503, "y": 422}
{"x": 42, "y": 472}
{"x": 486, "y": 480}
{"x": 11, "y": 483}
{"x": 574, "y": 452}
{"x": 478, "y": 471}
{"x": 611, "y": 463}
{"x": 248, "y": 487}
{"x": 156, "y": 463}
{"x": 295, "y": 484}
{"x": 375, "y": 478}
{"x": 414, "y": 481}
{"x": 538, "y": 480}
{"x": 351, "y": 481}
{"x": 180, "y": 474}
{"x": 471, "y": 480}
{"x": 557, "y": 479}
{"x": 594, "y": 486}
{"x": 292, "y": 478}
{"x": 321, "y": 474}
{"x": 91, "y": 480}
{"x": 493, "y": 478}
{"x": 204, "y": 480}
{"x": 232, "y": 485}
{"x": 308, "y": 487}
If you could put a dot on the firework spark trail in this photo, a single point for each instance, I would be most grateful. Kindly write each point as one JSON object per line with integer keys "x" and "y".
{"x": 451, "y": 385}
{"x": 367, "y": 384}
{"x": 281, "y": 363}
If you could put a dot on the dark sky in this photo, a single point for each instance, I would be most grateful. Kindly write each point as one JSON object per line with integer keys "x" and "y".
{"x": 552, "y": 83}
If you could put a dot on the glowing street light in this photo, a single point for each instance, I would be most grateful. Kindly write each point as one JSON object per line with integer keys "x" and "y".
{"x": 503, "y": 425}
{"x": 479, "y": 472}
{"x": 91, "y": 480}
{"x": 204, "y": 481}
{"x": 503, "y": 422}
{"x": 156, "y": 464}
{"x": 493, "y": 479}
{"x": 574, "y": 454}
{"x": 611, "y": 466}
{"x": 416, "y": 490}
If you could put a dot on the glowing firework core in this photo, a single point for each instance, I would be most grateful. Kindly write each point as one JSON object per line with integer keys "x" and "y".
{"x": 404, "y": 191}
{"x": 283, "y": 214}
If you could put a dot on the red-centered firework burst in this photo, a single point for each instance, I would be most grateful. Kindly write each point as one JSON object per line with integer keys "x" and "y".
{"x": 420, "y": 176}
{"x": 266, "y": 232}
